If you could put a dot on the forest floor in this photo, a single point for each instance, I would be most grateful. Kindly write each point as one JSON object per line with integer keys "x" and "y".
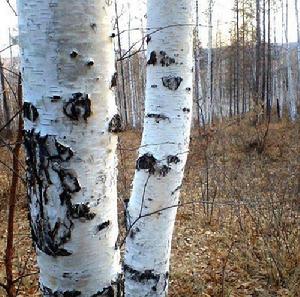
{"x": 237, "y": 231}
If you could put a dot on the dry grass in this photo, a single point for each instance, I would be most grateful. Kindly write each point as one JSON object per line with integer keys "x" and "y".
{"x": 243, "y": 242}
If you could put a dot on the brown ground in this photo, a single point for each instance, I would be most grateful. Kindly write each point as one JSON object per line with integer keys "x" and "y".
{"x": 243, "y": 241}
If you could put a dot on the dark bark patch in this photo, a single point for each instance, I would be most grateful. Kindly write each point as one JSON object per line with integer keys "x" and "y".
{"x": 107, "y": 292}
{"x": 157, "y": 117}
{"x": 148, "y": 38}
{"x": 82, "y": 210}
{"x": 153, "y": 86}
{"x": 153, "y": 58}
{"x": 114, "y": 80}
{"x": 45, "y": 154}
{"x": 73, "y": 54}
{"x": 47, "y": 292}
{"x": 133, "y": 232}
{"x": 90, "y": 63}
{"x": 165, "y": 60}
{"x": 172, "y": 82}
{"x": 188, "y": 89}
{"x": 158, "y": 281}
{"x": 30, "y": 112}
{"x": 115, "y": 124}
{"x": 164, "y": 170}
{"x": 77, "y": 107}
{"x": 185, "y": 109}
{"x": 146, "y": 162}
{"x": 103, "y": 226}
{"x": 173, "y": 159}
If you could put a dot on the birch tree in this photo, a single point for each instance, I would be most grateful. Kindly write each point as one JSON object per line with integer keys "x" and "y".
{"x": 291, "y": 89}
{"x": 209, "y": 90}
{"x": 70, "y": 116}
{"x": 162, "y": 156}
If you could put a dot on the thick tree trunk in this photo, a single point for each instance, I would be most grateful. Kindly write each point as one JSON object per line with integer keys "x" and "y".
{"x": 69, "y": 111}
{"x": 159, "y": 169}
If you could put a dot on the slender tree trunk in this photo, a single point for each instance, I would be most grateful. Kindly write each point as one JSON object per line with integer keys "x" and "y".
{"x": 208, "y": 100}
{"x": 298, "y": 46}
{"x": 130, "y": 74}
{"x": 258, "y": 46}
{"x": 291, "y": 89}
{"x": 269, "y": 64}
{"x": 4, "y": 97}
{"x": 70, "y": 115}
{"x": 237, "y": 59}
{"x": 123, "y": 99}
{"x": 159, "y": 169}
{"x": 198, "y": 108}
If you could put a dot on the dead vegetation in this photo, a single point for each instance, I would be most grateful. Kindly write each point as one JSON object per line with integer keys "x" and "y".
{"x": 237, "y": 231}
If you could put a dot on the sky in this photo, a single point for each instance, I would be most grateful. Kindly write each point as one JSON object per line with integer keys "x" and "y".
{"x": 222, "y": 14}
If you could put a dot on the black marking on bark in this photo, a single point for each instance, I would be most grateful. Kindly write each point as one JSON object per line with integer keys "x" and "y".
{"x": 164, "y": 170}
{"x": 69, "y": 182}
{"x": 153, "y": 58}
{"x": 141, "y": 276}
{"x": 79, "y": 211}
{"x": 185, "y": 109}
{"x": 133, "y": 232}
{"x": 173, "y": 159}
{"x": 188, "y": 89}
{"x": 107, "y": 292}
{"x": 103, "y": 226}
{"x": 65, "y": 153}
{"x": 157, "y": 117}
{"x": 115, "y": 124}
{"x": 165, "y": 60}
{"x": 90, "y": 63}
{"x": 146, "y": 162}
{"x": 30, "y": 112}
{"x": 79, "y": 106}
{"x": 113, "y": 35}
{"x": 177, "y": 189}
{"x": 114, "y": 80}
{"x": 47, "y": 292}
{"x": 154, "y": 86}
{"x": 73, "y": 54}
{"x": 93, "y": 26}
{"x": 172, "y": 82}
{"x": 55, "y": 98}
{"x": 148, "y": 38}
{"x": 45, "y": 154}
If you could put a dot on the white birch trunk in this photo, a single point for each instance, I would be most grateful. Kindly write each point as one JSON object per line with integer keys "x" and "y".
{"x": 68, "y": 63}
{"x": 130, "y": 80}
{"x": 163, "y": 152}
{"x": 198, "y": 104}
{"x": 298, "y": 45}
{"x": 291, "y": 89}
{"x": 208, "y": 101}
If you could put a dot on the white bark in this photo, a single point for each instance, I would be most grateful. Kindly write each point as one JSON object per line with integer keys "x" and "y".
{"x": 298, "y": 43}
{"x": 130, "y": 80}
{"x": 291, "y": 89}
{"x": 68, "y": 63}
{"x": 163, "y": 151}
{"x": 208, "y": 107}
{"x": 198, "y": 104}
